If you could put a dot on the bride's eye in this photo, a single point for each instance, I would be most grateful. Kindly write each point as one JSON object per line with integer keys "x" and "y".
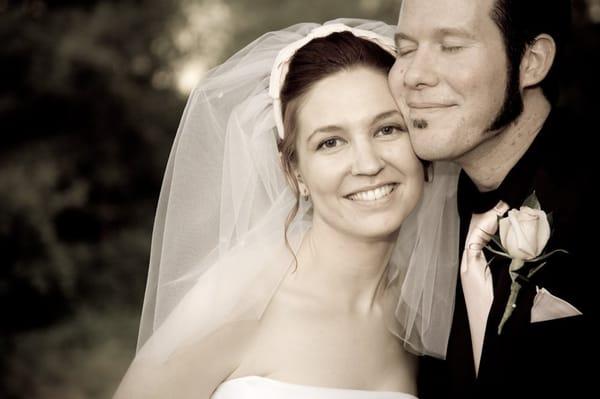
{"x": 329, "y": 143}
{"x": 389, "y": 130}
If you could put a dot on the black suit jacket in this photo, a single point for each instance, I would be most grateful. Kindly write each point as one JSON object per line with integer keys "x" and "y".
{"x": 545, "y": 359}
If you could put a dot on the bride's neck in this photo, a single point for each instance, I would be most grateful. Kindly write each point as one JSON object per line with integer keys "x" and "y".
{"x": 352, "y": 267}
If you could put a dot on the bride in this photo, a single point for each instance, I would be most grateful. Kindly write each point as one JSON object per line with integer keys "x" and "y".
{"x": 287, "y": 260}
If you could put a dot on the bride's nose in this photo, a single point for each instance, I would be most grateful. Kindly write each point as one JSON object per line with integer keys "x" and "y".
{"x": 367, "y": 159}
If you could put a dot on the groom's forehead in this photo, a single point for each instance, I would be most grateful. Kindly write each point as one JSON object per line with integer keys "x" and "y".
{"x": 444, "y": 15}
{"x": 439, "y": 10}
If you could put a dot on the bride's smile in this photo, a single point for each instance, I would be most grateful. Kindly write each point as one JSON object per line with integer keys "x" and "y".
{"x": 285, "y": 281}
{"x": 354, "y": 155}
{"x": 373, "y": 194}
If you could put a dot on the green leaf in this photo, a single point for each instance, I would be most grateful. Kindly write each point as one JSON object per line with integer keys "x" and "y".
{"x": 496, "y": 240}
{"x": 532, "y": 202}
{"x": 546, "y": 256}
{"x": 492, "y": 250}
{"x": 535, "y": 270}
{"x": 487, "y": 265}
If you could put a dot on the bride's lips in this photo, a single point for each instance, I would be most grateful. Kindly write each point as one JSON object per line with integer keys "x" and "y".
{"x": 373, "y": 193}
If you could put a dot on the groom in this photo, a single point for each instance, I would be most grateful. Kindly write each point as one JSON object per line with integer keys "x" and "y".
{"x": 477, "y": 83}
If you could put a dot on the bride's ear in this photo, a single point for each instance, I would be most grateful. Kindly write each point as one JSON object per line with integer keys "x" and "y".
{"x": 537, "y": 60}
{"x": 302, "y": 187}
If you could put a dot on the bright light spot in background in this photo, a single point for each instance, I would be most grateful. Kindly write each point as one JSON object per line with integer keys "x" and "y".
{"x": 594, "y": 10}
{"x": 206, "y": 30}
{"x": 189, "y": 74}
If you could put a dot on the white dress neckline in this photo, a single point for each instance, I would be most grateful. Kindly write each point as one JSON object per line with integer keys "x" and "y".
{"x": 262, "y": 387}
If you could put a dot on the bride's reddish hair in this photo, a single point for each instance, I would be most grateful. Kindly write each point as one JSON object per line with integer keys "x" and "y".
{"x": 318, "y": 59}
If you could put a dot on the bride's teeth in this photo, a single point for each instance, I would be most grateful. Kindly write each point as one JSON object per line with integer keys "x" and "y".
{"x": 374, "y": 194}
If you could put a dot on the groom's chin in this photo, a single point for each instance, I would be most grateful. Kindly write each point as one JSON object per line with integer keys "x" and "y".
{"x": 430, "y": 144}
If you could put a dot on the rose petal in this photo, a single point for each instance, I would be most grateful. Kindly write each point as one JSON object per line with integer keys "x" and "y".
{"x": 526, "y": 213}
{"x": 505, "y": 229}
{"x": 528, "y": 225}
{"x": 519, "y": 245}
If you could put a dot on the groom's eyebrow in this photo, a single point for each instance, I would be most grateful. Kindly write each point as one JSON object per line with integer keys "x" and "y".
{"x": 460, "y": 32}
{"x": 403, "y": 36}
{"x": 442, "y": 32}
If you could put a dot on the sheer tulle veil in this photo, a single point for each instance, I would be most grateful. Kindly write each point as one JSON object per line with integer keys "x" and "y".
{"x": 218, "y": 248}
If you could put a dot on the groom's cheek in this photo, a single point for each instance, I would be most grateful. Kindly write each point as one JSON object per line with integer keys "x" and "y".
{"x": 395, "y": 83}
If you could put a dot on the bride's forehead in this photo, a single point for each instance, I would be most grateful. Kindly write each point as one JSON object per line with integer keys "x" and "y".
{"x": 345, "y": 98}
{"x": 348, "y": 87}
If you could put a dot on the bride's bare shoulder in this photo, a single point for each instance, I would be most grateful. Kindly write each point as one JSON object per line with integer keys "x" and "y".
{"x": 194, "y": 370}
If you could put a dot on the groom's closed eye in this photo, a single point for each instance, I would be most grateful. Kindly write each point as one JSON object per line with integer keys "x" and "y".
{"x": 451, "y": 49}
{"x": 405, "y": 44}
{"x": 405, "y": 47}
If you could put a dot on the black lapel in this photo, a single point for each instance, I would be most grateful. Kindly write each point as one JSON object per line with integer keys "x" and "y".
{"x": 516, "y": 187}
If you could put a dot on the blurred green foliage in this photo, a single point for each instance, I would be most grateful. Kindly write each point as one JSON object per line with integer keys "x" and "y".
{"x": 90, "y": 98}
{"x": 88, "y": 109}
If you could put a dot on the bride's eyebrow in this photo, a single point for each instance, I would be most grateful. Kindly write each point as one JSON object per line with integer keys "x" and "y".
{"x": 324, "y": 129}
{"x": 385, "y": 115}
{"x": 336, "y": 128}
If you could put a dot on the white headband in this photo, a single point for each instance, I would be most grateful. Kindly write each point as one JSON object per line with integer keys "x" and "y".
{"x": 282, "y": 62}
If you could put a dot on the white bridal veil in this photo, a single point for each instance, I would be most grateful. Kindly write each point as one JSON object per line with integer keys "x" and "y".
{"x": 218, "y": 248}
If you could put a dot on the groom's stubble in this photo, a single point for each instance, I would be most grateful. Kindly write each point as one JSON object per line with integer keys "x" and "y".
{"x": 420, "y": 123}
{"x": 512, "y": 106}
{"x": 511, "y": 109}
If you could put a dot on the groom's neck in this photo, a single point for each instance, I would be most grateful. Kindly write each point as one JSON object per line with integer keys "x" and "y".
{"x": 489, "y": 163}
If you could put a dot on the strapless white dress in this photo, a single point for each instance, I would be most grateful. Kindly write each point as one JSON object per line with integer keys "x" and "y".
{"x": 254, "y": 387}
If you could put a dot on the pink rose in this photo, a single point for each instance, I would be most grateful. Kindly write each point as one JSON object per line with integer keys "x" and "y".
{"x": 524, "y": 233}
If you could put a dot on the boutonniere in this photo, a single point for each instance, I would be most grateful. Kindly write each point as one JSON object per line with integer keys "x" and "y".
{"x": 524, "y": 233}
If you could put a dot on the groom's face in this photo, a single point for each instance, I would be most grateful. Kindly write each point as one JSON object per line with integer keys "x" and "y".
{"x": 450, "y": 76}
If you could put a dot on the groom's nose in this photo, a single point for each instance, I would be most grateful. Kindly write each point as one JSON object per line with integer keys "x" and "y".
{"x": 420, "y": 70}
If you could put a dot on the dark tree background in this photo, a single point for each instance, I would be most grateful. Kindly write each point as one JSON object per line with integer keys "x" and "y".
{"x": 90, "y": 97}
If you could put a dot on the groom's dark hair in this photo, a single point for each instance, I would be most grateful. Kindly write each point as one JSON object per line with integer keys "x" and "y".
{"x": 521, "y": 21}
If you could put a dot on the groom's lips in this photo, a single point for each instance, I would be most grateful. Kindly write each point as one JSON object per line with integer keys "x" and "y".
{"x": 427, "y": 106}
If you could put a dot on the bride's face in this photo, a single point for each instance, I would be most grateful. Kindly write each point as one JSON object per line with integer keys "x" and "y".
{"x": 354, "y": 155}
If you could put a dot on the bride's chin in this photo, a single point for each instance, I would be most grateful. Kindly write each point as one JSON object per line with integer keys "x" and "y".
{"x": 378, "y": 229}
